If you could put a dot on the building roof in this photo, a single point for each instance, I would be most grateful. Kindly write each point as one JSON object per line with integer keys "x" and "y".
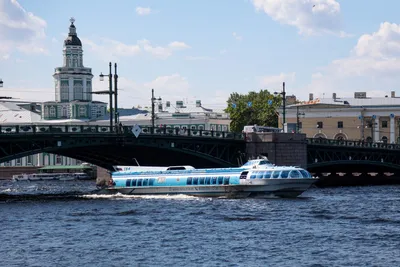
{"x": 72, "y": 38}
{"x": 10, "y": 112}
{"x": 351, "y": 102}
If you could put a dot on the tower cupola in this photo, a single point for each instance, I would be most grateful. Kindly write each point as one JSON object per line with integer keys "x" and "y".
{"x": 72, "y": 38}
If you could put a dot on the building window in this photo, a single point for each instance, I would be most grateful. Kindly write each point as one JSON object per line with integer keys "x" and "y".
{"x": 46, "y": 111}
{"x": 64, "y": 112}
{"x": 320, "y": 125}
{"x": 82, "y": 111}
{"x": 300, "y": 125}
{"x": 340, "y": 124}
{"x": 52, "y": 111}
{"x": 384, "y": 124}
{"x": 18, "y": 162}
{"x": 29, "y": 160}
{"x": 384, "y": 139}
{"x": 58, "y": 160}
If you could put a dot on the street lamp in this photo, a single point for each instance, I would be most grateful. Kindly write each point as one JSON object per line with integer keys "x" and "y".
{"x": 113, "y": 111}
{"x": 1, "y": 83}
{"x": 283, "y": 93}
{"x": 153, "y": 115}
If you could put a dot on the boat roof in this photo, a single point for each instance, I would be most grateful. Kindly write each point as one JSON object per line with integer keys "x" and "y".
{"x": 64, "y": 167}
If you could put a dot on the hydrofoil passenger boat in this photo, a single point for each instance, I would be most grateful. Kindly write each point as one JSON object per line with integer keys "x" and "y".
{"x": 257, "y": 178}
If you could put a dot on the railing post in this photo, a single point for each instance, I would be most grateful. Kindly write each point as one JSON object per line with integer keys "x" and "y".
{"x": 201, "y": 132}
{"x": 17, "y": 129}
{"x": 66, "y": 128}
{"x": 81, "y": 128}
{"x": 188, "y": 131}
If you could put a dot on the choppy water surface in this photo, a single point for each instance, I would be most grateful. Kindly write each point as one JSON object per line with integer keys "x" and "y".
{"x": 350, "y": 226}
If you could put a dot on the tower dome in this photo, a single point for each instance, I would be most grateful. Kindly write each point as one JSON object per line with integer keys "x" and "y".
{"x": 72, "y": 38}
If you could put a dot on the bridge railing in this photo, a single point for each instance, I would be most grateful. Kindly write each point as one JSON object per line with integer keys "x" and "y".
{"x": 351, "y": 143}
{"x": 124, "y": 130}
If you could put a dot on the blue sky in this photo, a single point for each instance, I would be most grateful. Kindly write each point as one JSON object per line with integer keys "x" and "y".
{"x": 206, "y": 49}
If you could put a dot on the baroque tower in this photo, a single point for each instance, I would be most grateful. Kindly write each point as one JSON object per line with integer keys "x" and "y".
{"x": 73, "y": 85}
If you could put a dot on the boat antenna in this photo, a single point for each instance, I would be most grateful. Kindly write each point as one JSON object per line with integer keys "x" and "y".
{"x": 136, "y": 161}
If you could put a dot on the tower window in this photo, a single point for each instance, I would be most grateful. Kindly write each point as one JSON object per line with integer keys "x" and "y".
{"x": 82, "y": 111}
{"x": 52, "y": 112}
{"x": 320, "y": 125}
{"x": 384, "y": 124}
{"x": 340, "y": 124}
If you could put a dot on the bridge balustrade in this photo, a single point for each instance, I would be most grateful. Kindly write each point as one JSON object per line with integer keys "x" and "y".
{"x": 124, "y": 130}
{"x": 351, "y": 143}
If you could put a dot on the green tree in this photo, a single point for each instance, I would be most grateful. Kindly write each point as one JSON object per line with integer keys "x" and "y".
{"x": 262, "y": 111}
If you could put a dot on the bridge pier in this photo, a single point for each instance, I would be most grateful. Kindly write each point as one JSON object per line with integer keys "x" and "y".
{"x": 289, "y": 149}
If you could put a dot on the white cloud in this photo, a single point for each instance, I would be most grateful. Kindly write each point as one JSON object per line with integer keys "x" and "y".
{"x": 178, "y": 45}
{"x": 308, "y": 16}
{"x": 372, "y": 66}
{"x": 111, "y": 49}
{"x": 237, "y": 36}
{"x": 132, "y": 93}
{"x": 274, "y": 82}
{"x": 143, "y": 11}
{"x": 20, "y": 30}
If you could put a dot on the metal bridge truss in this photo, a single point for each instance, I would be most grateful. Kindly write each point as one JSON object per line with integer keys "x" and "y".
{"x": 107, "y": 149}
{"x": 318, "y": 153}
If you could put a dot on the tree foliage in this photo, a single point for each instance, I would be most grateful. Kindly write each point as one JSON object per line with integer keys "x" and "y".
{"x": 262, "y": 111}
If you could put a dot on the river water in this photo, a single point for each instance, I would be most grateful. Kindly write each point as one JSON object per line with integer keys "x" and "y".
{"x": 63, "y": 224}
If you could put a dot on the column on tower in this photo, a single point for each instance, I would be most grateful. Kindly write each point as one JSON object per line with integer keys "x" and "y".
{"x": 376, "y": 129}
{"x": 392, "y": 130}
{"x": 71, "y": 88}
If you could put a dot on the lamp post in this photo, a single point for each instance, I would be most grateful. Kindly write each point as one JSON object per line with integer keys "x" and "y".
{"x": 1, "y": 83}
{"x": 298, "y": 114}
{"x": 110, "y": 92}
{"x": 153, "y": 114}
{"x": 283, "y": 93}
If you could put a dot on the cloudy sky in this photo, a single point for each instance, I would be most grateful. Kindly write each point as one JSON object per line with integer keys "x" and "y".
{"x": 205, "y": 49}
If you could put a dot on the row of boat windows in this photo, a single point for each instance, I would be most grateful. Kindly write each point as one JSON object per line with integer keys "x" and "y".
{"x": 207, "y": 180}
{"x": 280, "y": 174}
{"x": 189, "y": 181}
{"x": 140, "y": 182}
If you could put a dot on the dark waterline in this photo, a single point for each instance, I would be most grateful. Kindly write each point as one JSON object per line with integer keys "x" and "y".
{"x": 62, "y": 224}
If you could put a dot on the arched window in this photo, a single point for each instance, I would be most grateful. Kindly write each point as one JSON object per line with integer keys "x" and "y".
{"x": 46, "y": 111}
{"x": 320, "y": 135}
{"x": 384, "y": 139}
{"x": 340, "y": 136}
{"x": 369, "y": 139}
{"x": 52, "y": 111}
{"x": 64, "y": 112}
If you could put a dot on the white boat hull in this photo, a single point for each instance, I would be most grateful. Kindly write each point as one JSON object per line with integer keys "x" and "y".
{"x": 255, "y": 189}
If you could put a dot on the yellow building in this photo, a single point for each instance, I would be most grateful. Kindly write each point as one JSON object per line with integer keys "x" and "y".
{"x": 358, "y": 118}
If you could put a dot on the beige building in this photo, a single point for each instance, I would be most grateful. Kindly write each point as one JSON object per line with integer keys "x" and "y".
{"x": 358, "y": 118}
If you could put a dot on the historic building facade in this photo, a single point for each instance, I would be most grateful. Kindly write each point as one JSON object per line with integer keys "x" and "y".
{"x": 73, "y": 86}
{"x": 359, "y": 118}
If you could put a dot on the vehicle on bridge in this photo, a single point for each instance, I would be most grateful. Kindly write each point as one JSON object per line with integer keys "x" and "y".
{"x": 257, "y": 178}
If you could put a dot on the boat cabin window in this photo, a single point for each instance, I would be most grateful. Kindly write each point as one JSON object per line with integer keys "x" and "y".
{"x": 243, "y": 175}
{"x": 295, "y": 174}
{"x": 151, "y": 181}
{"x": 267, "y": 174}
{"x": 189, "y": 180}
{"x": 145, "y": 182}
{"x": 214, "y": 180}
{"x": 201, "y": 180}
{"x": 260, "y": 175}
{"x": 195, "y": 180}
{"x": 276, "y": 174}
{"x": 208, "y": 180}
{"x": 264, "y": 162}
{"x": 139, "y": 182}
{"x": 226, "y": 180}
{"x": 220, "y": 180}
{"x": 305, "y": 174}
{"x": 133, "y": 182}
{"x": 285, "y": 174}
{"x": 128, "y": 182}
